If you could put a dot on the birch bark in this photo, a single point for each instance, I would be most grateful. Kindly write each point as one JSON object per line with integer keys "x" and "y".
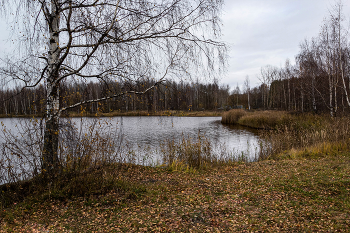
{"x": 50, "y": 149}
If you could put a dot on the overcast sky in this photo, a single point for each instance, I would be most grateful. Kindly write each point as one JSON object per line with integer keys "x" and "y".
{"x": 267, "y": 32}
{"x": 259, "y": 33}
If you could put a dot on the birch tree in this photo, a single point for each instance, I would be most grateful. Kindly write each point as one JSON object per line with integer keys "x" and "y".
{"x": 340, "y": 39}
{"x": 105, "y": 40}
{"x": 247, "y": 88}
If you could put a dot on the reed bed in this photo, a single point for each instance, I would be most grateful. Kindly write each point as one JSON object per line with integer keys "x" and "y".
{"x": 187, "y": 152}
{"x": 232, "y": 116}
{"x": 197, "y": 153}
{"x": 258, "y": 119}
{"x": 295, "y": 135}
{"x": 310, "y": 136}
{"x": 265, "y": 119}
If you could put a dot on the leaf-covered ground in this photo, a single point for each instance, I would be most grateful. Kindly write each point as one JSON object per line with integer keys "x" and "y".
{"x": 268, "y": 196}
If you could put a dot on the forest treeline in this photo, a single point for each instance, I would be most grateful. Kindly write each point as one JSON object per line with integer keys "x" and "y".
{"x": 173, "y": 95}
{"x": 318, "y": 82}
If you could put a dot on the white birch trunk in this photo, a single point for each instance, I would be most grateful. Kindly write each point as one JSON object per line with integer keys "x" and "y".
{"x": 302, "y": 100}
{"x": 342, "y": 73}
{"x": 50, "y": 155}
{"x": 335, "y": 101}
{"x": 313, "y": 93}
{"x": 331, "y": 96}
{"x": 248, "y": 102}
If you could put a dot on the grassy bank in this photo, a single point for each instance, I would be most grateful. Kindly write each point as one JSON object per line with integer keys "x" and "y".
{"x": 289, "y": 195}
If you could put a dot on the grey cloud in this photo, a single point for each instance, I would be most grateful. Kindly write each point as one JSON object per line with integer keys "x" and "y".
{"x": 268, "y": 32}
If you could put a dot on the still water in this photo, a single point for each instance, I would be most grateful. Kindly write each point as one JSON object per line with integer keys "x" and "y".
{"x": 143, "y": 135}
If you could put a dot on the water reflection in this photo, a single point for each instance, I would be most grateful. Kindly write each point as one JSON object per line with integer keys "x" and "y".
{"x": 143, "y": 135}
{"x": 150, "y": 132}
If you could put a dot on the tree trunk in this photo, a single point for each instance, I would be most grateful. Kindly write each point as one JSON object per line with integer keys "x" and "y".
{"x": 342, "y": 75}
{"x": 331, "y": 95}
{"x": 285, "y": 97}
{"x": 289, "y": 104}
{"x": 340, "y": 54}
{"x": 50, "y": 161}
{"x": 50, "y": 155}
{"x": 335, "y": 101}
{"x": 248, "y": 102}
{"x": 302, "y": 101}
{"x": 313, "y": 92}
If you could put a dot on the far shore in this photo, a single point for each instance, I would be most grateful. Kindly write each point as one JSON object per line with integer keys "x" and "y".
{"x": 129, "y": 113}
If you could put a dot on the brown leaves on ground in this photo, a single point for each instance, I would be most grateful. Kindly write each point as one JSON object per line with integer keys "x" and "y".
{"x": 289, "y": 196}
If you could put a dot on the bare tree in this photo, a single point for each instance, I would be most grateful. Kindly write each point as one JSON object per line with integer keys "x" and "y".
{"x": 340, "y": 39}
{"x": 247, "y": 88}
{"x": 268, "y": 75}
{"x": 288, "y": 76}
{"x": 308, "y": 65}
{"x": 327, "y": 64}
{"x": 237, "y": 92}
{"x": 110, "y": 40}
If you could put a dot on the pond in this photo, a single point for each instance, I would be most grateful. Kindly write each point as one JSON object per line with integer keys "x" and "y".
{"x": 140, "y": 140}
{"x": 142, "y": 136}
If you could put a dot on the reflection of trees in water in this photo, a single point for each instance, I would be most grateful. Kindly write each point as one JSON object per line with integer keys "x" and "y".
{"x": 143, "y": 135}
{"x": 138, "y": 138}
{"x": 240, "y": 128}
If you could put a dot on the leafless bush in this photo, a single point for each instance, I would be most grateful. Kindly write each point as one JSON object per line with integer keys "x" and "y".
{"x": 21, "y": 148}
{"x": 83, "y": 145}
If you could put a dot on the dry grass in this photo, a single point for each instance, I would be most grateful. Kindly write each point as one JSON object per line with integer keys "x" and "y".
{"x": 268, "y": 196}
{"x": 310, "y": 136}
{"x": 190, "y": 154}
{"x": 265, "y": 119}
{"x": 187, "y": 152}
{"x": 232, "y": 116}
{"x": 258, "y": 119}
{"x": 295, "y": 136}
{"x": 20, "y": 116}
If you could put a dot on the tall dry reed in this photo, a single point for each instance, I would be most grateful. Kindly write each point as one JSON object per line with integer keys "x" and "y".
{"x": 232, "y": 116}
{"x": 258, "y": 119}
{"x": 194, "y": 153}
{"x": 265, "y": 119}
{"x": 309, "y": 135}
{"x": 295, "y": 135}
